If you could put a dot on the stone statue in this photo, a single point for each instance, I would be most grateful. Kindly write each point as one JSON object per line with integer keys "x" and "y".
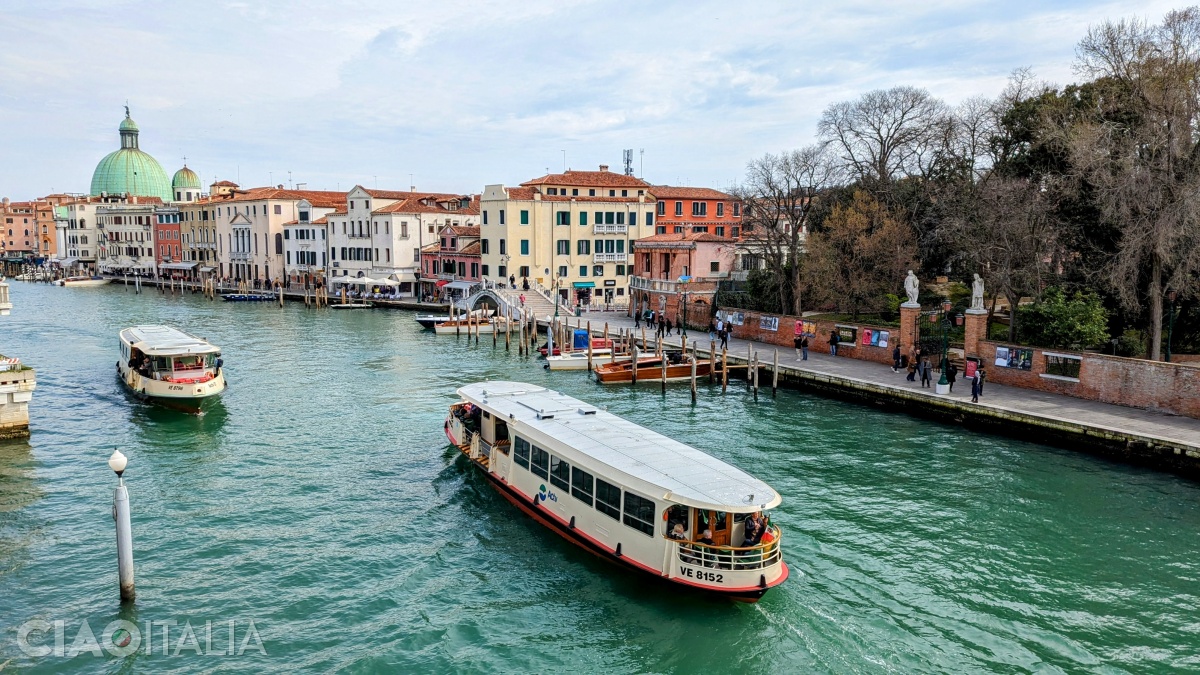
{"x": 912, "y": 287}
{"x": 977, "y": 293}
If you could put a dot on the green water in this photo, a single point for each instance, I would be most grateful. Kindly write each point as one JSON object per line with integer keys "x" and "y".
{"x": 320, "y": 500}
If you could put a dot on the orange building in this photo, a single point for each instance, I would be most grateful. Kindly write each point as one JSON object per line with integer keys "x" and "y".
{"x": 688, "y": 210}
{"x": 27, "y": 229}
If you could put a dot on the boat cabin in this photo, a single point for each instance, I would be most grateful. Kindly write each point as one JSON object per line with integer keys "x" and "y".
{"x": 168, "y": 354}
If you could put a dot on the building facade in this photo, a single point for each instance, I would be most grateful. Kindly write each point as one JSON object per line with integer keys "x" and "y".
{"x": 677, "y": 274}
{"x": 126, "y": 236}
{"x": 456, "y": 255}
{"x": 572, "y": 232}
{"x": 689, "y": 210}
{"x": 28, "y": 229}
{"x": 249, "y": 228}
{"x": 167, "y": 247}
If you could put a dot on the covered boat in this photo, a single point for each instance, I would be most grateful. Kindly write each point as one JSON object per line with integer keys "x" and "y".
{"x": 628, "y": 494}
{"x": 650, "y": 369}
{"x": 168, "y": 366}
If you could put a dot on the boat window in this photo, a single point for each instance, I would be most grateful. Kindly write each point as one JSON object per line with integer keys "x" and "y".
{"x": 639, "y": 513}
{"x": 608, "y": 499}
{"x": 539, "y": 462}
{"x": 521, "y": 452}
{"x": 677, "y": 514}
{"x": 581, "y": 485}
{"x": 560, "y": 473}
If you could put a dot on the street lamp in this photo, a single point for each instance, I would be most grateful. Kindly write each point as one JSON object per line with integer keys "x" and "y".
{"x": 1172, "y": 294}
{"x": 120, "y": 512}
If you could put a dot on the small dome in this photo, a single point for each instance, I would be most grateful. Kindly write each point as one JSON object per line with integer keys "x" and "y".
{"x": 128, "y": 124}
{"x": 186, "y": 178}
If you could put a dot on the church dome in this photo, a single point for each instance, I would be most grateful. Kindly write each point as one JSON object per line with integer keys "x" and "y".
{"x": 186, "y": 178}
{"x": 129, "y": 170}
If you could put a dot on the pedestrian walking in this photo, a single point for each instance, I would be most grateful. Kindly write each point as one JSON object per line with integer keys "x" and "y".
{"x": 512, "y": 281}
{"x": 667, "y": 322}
{"x": 951, "y": 374}
{"x": 926, "y": 373}
{"x": 896, "y": 358}
{"x": 981, "y": 375}
{"x": 804, "y": 347}
{"x": 834, "y": 339}
{"x": 712, "y": 331}
{"x": 637, "y": 319}
{"x": 725, "y": 338}
{"x": 796, "y": 341}
{"x": 522, "y": 299}
{"x": 975, "y": 388}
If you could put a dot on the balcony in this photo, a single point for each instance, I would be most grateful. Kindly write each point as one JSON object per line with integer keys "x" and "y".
{"x": 610, "y": 257}
{"x": 609, "y": 229}
{"x": 239, "y": 255}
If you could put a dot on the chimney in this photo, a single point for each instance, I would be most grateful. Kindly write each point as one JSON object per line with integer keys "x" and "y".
{"x": 604, "y": 167}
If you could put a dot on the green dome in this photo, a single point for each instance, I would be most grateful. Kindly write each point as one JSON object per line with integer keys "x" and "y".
{"x": 186, "y": 178}
{"x": 129, "y": 170}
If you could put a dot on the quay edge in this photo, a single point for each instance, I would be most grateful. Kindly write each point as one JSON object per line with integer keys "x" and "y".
{"x": 16, "y": 390}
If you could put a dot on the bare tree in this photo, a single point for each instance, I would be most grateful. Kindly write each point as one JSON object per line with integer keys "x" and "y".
{"x": 887, "y": 134}
{"x": 1140, "y": 152}
{"x": 779, "y": 193}
{"x": 860, "y": 255}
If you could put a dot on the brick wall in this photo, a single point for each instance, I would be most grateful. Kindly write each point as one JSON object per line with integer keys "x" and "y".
{"x": 1170, "y": 387}
{"x": 751, "y": 330}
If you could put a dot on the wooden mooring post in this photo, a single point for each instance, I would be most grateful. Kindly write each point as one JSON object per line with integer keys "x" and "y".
{"x": 694, "y": 358}
{"x": 724, "y": 369}
{"x": 635, "y": 362}
{"x": 775, "y": 374}
{"x": 662, "y": 360}
{"x": 589, "y": 339}
{"x": 712, "y": 360}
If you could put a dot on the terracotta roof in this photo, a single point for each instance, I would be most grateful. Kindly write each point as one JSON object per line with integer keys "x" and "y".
{"x": 429, "y": 203}
{"x": 472, "y": 248}
{"x": 226, "y": 183}
{"x": 431, "y": 248}
{"x": 321, "y": 221}
{"x": 320, "y": 198}
{"x": 670, "y": 192}
{"x": 462, "y": 230}
{"x": 606, "y": 179}
{"x": 682, "y": 238}
{"x": 526, "y": 194}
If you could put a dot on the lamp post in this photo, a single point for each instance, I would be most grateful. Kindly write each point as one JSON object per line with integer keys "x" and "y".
{"x": 117, "y": 463}
{"x": 1172, "y": 295}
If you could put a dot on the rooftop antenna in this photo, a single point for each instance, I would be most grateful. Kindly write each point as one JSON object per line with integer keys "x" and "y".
{"x": 628, "y": 158}
{"x": 411, "y": 186}
{"x": 289, "y": 180}
{"x": 642, "y": 163}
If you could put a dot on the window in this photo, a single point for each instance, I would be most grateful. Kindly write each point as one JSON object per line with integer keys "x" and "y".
{"x": 483, "y": 246}
{"x": 501, "y": 216}
{"x": 574, "y": 192}
{"x": 562, "y": 218}
{"x": 737, "y": 209}
{"x": 624, "y": 193}
{"x": 620, "y": 270}
{"x": 699, "y": 208}
{"x": 581, "y": 485}
{"x": 539, "y": 462}
{"x": 620, "y": 217}
{"x": 714, "y": 266}
{"x": 612, "y": 193}
{"x": 552, "y": 191}
{"x": 720, "y": 230}
{"x": 474, "y": 270}
{"x": 524, "y": 269}
{"x": 600, "y": 246}
{"x": 583, "y": 247}
{"x": 621, "y": 246}
{"x": 583, "y": 270}
{"x": 278, "y": 209}
{"x": 598, "y": 270}
{"x": 524, "y": 217}
{"x": 591, "y": 193}
{"x": 485, "y": 270}
{"x": 639, "y": 513}
{"x": 560, "y": 473}
{"x": 608, "y": 499}
{"x": 524, "y": 247}
{"x": 484, "y": 220}
{"x": 562, "y": 270}
{"x": 699, "y": 229}
{"x": 521, "y": 452}
{"x": 501, "y": 271}
{"x": 351, "y": 205}
{"x": 679, "y": 208}
{"x": 633, "y": 218}
{"x": 502, "y": 247}
{"x": 649, "y": 219}
{"x": 662, "y": 208}
{"x": 610, "y": 217}
{"x": 563, "y": 247}
{"x": 720, "y": 209}
{"x": 287, "y": 234}
{"x": 462, "y": 269}
{"x": 404, "y": 229}
{"x": 734, "y": 231}
{"x": 583, "y": 217}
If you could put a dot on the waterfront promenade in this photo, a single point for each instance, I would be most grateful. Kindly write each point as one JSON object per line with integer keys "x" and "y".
{"x": 1129, "y": 433}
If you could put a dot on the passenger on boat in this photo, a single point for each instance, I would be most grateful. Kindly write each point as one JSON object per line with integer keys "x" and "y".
{"x": 754, "y": 530}
{"x": 677, "y": 533}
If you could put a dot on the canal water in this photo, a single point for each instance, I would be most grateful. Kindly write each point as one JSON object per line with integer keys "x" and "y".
{"x": 321, "y": 502}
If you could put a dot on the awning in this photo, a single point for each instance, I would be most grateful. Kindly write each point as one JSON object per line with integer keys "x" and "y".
{"x": 462, "y": 285}
{"x": 67, "y": 262}
{"x": 177, "y": 266}
{"x": 441, "y": 282}
{"x": 206, "y": 270}
{"x": 584, "y": 284}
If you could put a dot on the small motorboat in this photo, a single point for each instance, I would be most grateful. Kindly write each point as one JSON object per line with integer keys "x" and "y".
{"x": 82, "y": 281}
{"x": 679, "y": 368}
{"x": 250, "y": 297}
{"x": 579, "y": 360}
{"x": 428, "y": 321}
{"x": 352, "y": 305}
{"x": 482, "y": 326}
{"x": 597, "y": 344}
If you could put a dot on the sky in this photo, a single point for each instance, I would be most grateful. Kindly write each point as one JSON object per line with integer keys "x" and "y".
{"x": 453, "y": 95}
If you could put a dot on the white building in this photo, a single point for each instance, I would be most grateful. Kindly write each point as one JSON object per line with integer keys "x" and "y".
{"x": 306, "y": 243}
{"x": 379, "y": 234}
{"x": 126, "y": 236}
{"x": 249, "y": 227}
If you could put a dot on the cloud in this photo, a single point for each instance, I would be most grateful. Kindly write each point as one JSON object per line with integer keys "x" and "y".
{"x": 461, "y": 93}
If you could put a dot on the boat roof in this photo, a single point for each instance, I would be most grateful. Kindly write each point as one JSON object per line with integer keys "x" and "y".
{"x": 651, "y": 463}
{"x": 166, "y": 341}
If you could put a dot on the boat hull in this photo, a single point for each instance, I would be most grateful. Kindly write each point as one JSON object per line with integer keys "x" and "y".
{"x": 579, "y": 361}
{"x": 651, "y": 372}
{"x": 185, "y": 396}
{"x": 83, "y": 283}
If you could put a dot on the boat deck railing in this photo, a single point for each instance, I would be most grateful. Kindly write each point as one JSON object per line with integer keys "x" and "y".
{"x": 732, "y": 557}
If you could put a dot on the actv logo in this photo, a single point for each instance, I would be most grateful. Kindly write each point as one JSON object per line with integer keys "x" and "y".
{"x": 122, "y": 638}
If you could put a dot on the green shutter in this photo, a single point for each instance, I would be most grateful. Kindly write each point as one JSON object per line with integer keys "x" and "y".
{"x": 583, "y": 217}
{"x": 524, "y": 217}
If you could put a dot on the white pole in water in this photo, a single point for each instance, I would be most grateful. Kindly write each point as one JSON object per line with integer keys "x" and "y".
{"x": 124, "y": 530}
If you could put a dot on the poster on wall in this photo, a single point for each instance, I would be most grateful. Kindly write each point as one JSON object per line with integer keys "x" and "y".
{"x": 799, "y": 329}
{"x": 1024, "y": 359}
{"x": 867, "y": 336}
{"x": 1002, "y": 357}
{"x": 770, "y": 323}
{"x": 883, "y": 338}
{"x": 875, "y": 338}
{"x": 848, "y": 335}
{"x": 810, "y": 329}
{"x": 738, "y": 318}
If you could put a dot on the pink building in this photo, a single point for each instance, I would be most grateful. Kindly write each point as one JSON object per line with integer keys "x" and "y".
{"x": 675, "y": 270}
{"x": 454, "y": 258}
